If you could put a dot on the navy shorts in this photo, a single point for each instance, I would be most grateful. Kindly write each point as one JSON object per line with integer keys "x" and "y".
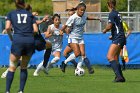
{"x": 120, "y": 42}
{"x": 20, "y": 49}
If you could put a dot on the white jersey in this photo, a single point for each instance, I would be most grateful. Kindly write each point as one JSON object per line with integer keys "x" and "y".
{"x": 56, "y": 39}
{"x": 77, "y": 25}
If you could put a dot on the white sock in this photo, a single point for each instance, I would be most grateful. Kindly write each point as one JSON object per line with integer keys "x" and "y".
{"x": 71, "y": 57}
{"x": 80, "y": 62}
{"x": 39, "y": 67}
{"x": 55, "y": 60}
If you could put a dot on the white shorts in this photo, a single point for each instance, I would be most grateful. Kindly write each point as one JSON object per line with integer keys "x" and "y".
{"x": 56, "y": 50}
{"x": 77, "y": 41}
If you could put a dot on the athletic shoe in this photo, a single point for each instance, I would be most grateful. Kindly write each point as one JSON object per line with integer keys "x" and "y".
{"x": 4, "y": 75}
{"x": 119, "y": 79}
{"x": 20, "y": 92}
{"x": 36, "y": 73}
{"x": 63, "y": 66}
{"x": 7, "y": 92}
{"x": 91, "y": 71}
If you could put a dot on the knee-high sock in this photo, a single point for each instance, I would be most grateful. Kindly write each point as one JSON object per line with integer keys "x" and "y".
{"x": 47, "y": 56}
{"x": 123, "y": 63}
{"x": 115, "y": 68}
{"x": 55, "y": 60}
{"x": 119, "y": 67}
{"x": 80, "y": 62}
{"x": 9, "y": 80}
{"x": 23, "y": 78}
{"x": 72, "y": 61}
{"x": 87, "y": 63}
{"x": 71, "y": 57}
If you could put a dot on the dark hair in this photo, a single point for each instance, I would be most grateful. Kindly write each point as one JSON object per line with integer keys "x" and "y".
{"x": 72, "y": 9}
{"x": 20, "y": 4}
{"x": 111, "y": 3}
{"x": 28, "y": 7}
{"x": 81, "y": 5}
{"x": 55, "y": 15}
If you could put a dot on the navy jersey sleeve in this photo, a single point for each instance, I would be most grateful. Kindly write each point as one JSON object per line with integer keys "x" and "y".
{"x": 34, "y": 19}
{"x": 111, "y": 18}
{"x": 8, "y": 17}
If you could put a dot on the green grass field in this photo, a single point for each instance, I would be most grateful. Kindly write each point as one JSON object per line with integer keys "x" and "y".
{"x": 58, "y": 82}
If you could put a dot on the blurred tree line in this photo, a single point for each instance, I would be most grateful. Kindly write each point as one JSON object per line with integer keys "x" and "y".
{"x": 40, "y": 6}
{"x": 45, "y": 6}
{"x": 122, "y": 5}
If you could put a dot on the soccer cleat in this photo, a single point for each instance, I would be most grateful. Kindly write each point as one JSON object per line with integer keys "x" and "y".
{"x": 20, "y": 91}
{"x": 35, "y": 74}
{"x": 7, "y": 92}
{"x": 119, "y": 79}
{"x": 91, "y": 71}
{"x": 4, "y": 75}
{"x": 63, "y": 66}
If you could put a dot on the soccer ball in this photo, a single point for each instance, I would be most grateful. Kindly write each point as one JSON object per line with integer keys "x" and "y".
{"x": 79, "y": 72}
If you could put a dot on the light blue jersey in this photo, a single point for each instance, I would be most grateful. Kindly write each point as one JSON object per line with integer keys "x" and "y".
{"x": 77, "y": 24}
{"x": 56, "y": 39}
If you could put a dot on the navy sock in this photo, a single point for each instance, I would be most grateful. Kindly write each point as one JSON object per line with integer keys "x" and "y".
{"x": 9, "y": 79}
{"x": 87, "y": 63}
{"x": 47, "y": 56}
{"x": 115, "y": 68}
{"x": 18, "y": 64}
{"x": 72, "y": 61}
{"x": 120, "y": 70}
{"x": 23, "y": 78}
{"x": 123, "y": 63}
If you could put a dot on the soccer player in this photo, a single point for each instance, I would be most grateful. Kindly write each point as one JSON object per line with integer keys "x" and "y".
{"x": 68, "y": 50}
{"x": 25, "y": 27}
{"x": 29, "y": 8}
{"x": 127, "y": 31}
{"x": 54, "y": 39}
{"x": 75, "y": 24}
{"x": 118, "y": 40}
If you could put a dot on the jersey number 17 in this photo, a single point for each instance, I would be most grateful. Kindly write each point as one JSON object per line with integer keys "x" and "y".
{"x": 19, "y": 16}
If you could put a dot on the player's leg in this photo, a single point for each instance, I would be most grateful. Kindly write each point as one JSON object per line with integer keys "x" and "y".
{"x": 4, "y": 74}
{"x": 122, "y": 59}
{"x": 54, "y": 60}
{"x": 11, "y": 70}
{"x": 86, "y": 60}
{"x": 76, "y": 50}
{"x": 44, "y": 63}
{"x": 27, "y": 52}
{"x": 66, "y": 54}
{"x": 23, "y": 72}
{"x": 47, "y": 53}
{"x": 112, "y": 53}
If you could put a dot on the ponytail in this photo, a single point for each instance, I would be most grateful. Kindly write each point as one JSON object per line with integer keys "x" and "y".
{"x": 20, "y": 4}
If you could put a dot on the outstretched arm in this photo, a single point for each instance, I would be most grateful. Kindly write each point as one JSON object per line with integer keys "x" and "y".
{"x": 107, "y": 28}
{"x": 92, "y": 18}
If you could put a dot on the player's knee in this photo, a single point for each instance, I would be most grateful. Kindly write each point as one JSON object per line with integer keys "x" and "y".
{"x": 77, "y": 54}
{"x": 65, "y": 54}
{"x": 110, "y": 58}
{"x": 12, "y": 66}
